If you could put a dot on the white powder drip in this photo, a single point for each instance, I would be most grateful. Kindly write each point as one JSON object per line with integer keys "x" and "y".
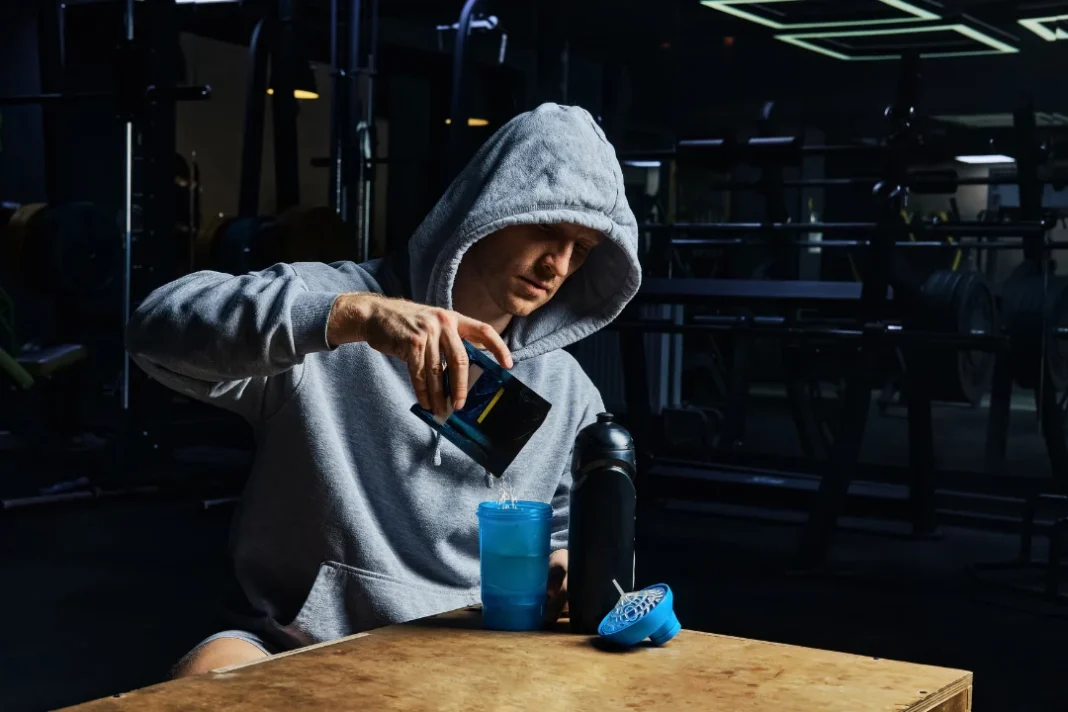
{"x": 506, "y": 496}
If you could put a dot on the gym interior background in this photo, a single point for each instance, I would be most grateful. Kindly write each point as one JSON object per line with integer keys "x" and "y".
{"x": 846, "y": 371}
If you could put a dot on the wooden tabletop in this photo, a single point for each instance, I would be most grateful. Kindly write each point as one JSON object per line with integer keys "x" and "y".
{"x": 450, "y": 663}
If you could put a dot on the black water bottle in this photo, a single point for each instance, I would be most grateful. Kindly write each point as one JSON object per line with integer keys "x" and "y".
{"x": 601, "y": 531}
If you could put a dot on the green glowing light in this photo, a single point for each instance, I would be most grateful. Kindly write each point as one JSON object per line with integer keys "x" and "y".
{"x": 1038, "y": 26}
{"x": 995, "y": 46}
{"x": 735, "y": 8}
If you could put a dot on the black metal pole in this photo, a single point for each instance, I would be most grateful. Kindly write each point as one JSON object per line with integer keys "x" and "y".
{"x": 337, "y": 109}
{"x": 284, "y": 105}
{"x": 350, "y": 151}
{"x": 128, "y": 207}
{"x": 457, "y": 115}
{"x": 367, "y": 167}
{"x": 1027, "y": 171}
{"x": 51, "y": 62}
{"x": 248, "y": 204}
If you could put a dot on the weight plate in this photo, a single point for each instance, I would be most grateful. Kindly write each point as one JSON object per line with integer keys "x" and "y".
{"x": 961, "y": 303}
{"x": 1035, "y": 306}
{"x": 310, "y": 235}
{"x": 73, "y": 249}
{"x": 17, "y": 233}
{"x": 238, "y": 245}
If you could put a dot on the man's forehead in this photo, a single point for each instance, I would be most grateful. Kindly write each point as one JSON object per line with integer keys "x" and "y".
{"x": 578, "y": 232}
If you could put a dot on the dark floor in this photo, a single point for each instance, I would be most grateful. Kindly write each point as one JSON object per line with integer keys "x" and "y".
{"x": 104, "y": 598}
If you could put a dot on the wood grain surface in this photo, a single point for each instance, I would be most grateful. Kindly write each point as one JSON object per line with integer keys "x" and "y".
{"x": 449, "y": 663}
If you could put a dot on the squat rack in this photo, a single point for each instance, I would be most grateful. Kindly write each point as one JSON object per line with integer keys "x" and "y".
{"x": 888, "y": 285}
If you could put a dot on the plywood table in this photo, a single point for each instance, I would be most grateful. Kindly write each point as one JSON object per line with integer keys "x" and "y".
{"x": 449, "y": 663}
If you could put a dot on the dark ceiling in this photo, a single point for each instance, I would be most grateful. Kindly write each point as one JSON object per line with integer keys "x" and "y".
{"x": 684, "y": 69}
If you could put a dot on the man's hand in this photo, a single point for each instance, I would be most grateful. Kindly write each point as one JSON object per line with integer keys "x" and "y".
{"x": 557, "y": 586}
{"x": 418, "y": 335}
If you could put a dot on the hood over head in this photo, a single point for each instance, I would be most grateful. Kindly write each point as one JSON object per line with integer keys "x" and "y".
{"x": 550, "y": 165}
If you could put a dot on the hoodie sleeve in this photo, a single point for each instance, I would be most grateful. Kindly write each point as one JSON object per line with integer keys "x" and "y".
{"x": 219, "y": 338}
{"x": 562, "y": 498}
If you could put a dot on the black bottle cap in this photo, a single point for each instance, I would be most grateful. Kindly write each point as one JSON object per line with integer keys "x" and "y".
{"x": 605, "y": 434}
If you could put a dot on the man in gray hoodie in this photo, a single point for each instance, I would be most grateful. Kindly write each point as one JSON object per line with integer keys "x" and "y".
{"x": 356, "y": 515}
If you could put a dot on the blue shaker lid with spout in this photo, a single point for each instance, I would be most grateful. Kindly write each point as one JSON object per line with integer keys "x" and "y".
{"x": 647, "y": 613}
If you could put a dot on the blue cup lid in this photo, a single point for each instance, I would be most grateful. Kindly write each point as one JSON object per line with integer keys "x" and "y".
{"x": 647, "y": 613}
{"x": 519, "y": 510}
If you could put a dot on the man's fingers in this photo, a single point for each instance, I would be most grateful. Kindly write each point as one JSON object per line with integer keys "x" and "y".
{"x": 456, "y": 357}
{"x": 554, "y": 607}
{"x": 486, "y": 336}
{"x": 417, "y": 370}
{"x": 434, "y": 376}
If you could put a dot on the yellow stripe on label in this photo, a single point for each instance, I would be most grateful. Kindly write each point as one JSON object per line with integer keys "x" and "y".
{"x": 496, "y": 397}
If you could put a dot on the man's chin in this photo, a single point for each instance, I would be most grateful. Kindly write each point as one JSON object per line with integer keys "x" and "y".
{"x": 519, "y": 306}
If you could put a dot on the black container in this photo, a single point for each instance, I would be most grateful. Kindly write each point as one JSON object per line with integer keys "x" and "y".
{"x": 601, "y": 531}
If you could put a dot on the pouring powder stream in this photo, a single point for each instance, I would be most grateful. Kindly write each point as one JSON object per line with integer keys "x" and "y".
{"x": 506, "y": 497}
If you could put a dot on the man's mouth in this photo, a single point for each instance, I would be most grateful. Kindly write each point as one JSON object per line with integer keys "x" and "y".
{"x": 536, "y": 285}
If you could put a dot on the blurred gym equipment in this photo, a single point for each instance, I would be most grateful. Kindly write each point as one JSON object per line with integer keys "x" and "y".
{"x": 240, "y": 245}
{"x": 71, "y": 249}
{"x": 938, "y": 327}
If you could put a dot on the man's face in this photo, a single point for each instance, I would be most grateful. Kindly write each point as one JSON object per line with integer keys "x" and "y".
{"x": 521, "y": 267}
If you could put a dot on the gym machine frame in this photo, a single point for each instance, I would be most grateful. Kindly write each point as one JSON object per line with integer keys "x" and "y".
{"x": 144, "y": 102}
{"x": 887, "y": 275}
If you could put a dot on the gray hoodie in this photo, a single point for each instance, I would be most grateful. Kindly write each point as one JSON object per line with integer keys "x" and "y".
{"x": 355, "y": 514}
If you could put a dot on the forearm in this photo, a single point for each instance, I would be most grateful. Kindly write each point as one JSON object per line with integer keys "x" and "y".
{"x": 217, "y": 327}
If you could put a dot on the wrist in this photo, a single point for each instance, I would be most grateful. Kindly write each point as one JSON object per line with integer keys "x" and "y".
{"x": 349, "y": 317}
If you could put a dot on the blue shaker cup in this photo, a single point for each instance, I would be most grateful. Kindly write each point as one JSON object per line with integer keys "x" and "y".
{"x": 514, "y": 547}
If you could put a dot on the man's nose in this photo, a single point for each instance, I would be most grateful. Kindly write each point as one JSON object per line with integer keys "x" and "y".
{"x": 559, "y": 259}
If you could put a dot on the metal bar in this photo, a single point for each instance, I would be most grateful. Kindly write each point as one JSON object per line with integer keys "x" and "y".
{"x": 921, "y": 443}
{"x": 1027, "y": 531}
{"x": 186, "y": 93}
{"x": 738, "y": 393}
{"x": 350, "y": 150}
{"x": 841, "y": 469}
{"x": 284, "y": 106}
{"x": 866, "y": 183}
{"x": 248, "y": 202}
{"x": 771, "y": 145}
{"x": 846, "y": 244}
{"x": 456, "y": 101}
{"x": 1056, "y": 556}
{"x": 1052, "y": 418}
{"x": 1027, "y": 169}
{"x": 636, "y": 388}
{"x": 369, "y": 139}
{"x": 757, "y": 227}
{"x": 971, "y": 342}
{"x": 797, "y": 391}
{"x": 702, "y": 291}
{"x": 51, "y": 63}
{"x": 960, "y": 229}
{"x": 127, "y": 200}
{"x": 337, "y": 111}
{"x": 997, "y": 424}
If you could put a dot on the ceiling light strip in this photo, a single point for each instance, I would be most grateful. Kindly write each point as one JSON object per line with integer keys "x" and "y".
{"x": 732, "y": 7}
{"x": 1038, "y": 26}
{"x": 802, "y": 40}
